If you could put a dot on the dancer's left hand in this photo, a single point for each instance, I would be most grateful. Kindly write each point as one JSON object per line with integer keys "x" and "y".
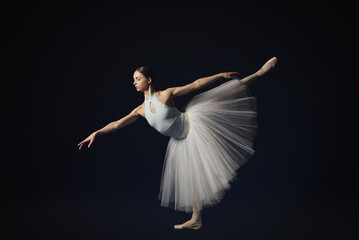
{"x": 230, "y": 75}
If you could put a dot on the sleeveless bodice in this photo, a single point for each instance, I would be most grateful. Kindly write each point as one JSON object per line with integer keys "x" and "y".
{"x": 167, "y": 120}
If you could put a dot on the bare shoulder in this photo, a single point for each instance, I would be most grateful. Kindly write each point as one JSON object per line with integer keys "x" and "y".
{"x": 165, "y": 93}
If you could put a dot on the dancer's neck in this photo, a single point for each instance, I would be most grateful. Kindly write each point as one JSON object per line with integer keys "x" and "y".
{"x": 149, "y": 91}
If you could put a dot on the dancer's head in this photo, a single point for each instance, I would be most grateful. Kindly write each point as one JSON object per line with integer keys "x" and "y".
{"x": 144, "y": 77}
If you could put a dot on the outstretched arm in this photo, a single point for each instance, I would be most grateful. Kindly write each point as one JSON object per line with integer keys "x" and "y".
{"x": 200, "y": 83}
{"x": 114, "y": 126}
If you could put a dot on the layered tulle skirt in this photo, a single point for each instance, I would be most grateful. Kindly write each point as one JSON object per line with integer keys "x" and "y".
{"x": 199, "y": 168}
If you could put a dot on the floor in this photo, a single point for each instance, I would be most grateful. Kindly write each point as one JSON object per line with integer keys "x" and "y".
{"x": 274, "y": 213}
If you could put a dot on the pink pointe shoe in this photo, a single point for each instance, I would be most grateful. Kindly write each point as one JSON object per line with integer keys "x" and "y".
{"x": 191, "y": 224}
{"x": 267, "y": 66}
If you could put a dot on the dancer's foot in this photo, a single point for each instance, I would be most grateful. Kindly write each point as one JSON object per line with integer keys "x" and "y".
{"x": 267, "y": 66}
{"x": 190, "y": 224}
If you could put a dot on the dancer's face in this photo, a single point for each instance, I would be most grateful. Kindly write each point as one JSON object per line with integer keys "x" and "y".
{"x": 140, "y": 82}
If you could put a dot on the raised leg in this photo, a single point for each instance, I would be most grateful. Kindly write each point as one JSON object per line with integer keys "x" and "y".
{"x": 264, "y": 69}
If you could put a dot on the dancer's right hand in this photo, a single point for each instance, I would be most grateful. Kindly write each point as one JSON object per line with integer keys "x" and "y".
{"x": 90, "y": 139}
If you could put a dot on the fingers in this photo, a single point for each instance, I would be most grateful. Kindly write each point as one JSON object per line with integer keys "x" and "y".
{"x": 85, "y": 141}
{"x": 82, "y": 143}
{"x": 235, "y": 74}
{"x": 232, "y": 74}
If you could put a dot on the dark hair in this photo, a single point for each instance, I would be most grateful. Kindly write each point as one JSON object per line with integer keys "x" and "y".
{"x": 148, "y": 72}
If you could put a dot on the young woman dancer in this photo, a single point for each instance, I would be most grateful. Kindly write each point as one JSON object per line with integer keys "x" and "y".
{"x": 209, "y": 141}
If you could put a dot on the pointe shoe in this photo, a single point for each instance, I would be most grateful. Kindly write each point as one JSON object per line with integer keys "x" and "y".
{"x": 190, "y": 225}
{"x": 267, "y": 66}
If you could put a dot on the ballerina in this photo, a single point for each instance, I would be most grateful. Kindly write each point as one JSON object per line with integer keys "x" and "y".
{"x": 209, "y": 141}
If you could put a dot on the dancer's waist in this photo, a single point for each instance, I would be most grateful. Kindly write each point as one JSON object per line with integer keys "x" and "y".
{"x": 186, "y": 125}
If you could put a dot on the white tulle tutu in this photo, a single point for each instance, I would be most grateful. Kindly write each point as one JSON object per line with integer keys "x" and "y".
{"x": 198, "y": 169}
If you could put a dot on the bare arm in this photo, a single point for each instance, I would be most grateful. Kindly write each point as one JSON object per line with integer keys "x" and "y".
{"x": 200, "y": 83}
{"x": 114, "y": 126}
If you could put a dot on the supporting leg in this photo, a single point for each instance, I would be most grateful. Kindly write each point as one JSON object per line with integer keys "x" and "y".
{"x": 194, "y": 223}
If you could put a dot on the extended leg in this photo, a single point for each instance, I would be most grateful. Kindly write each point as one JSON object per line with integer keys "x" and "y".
{"x": 266, "y": 67}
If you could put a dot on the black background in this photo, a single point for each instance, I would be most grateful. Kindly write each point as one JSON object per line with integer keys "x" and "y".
{"x": 67, "y": 71}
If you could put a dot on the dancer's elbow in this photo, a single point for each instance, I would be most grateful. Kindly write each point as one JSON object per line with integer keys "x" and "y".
{"x": 197, "y": 84}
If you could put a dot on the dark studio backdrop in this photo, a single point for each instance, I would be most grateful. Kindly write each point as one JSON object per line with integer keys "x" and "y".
{"x": 67, "y": 72}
